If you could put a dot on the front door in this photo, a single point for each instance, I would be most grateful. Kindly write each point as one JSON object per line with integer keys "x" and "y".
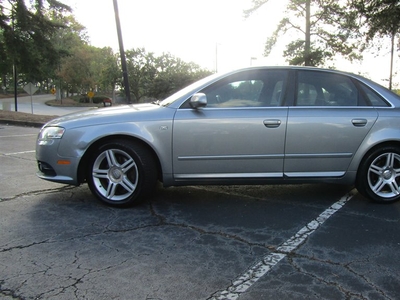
{"x": 239, "y": 134}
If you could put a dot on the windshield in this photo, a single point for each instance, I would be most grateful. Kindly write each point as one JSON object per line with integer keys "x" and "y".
{"x": 193, "y": 87}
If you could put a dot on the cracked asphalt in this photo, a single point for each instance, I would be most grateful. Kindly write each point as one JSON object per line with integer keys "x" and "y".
{"x": 59, "y": 242}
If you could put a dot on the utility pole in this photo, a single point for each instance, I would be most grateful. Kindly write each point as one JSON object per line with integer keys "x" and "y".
{"x": 15, "y": 74}
{"x": 122, "y": 53}
{"x": 307, "y": 48}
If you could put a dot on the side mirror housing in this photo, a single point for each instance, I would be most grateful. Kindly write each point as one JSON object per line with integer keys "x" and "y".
{"x": 198, "y": 100}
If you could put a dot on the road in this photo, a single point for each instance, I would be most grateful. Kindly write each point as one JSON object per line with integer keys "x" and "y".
{"x": 37, "y": 105}
{"x": 211, "y": 242}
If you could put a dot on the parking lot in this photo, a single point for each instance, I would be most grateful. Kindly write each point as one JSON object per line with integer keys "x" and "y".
{"x": 212, "y": 242}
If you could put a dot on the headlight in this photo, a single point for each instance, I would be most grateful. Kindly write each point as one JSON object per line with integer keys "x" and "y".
{"x": 50, "y": 133}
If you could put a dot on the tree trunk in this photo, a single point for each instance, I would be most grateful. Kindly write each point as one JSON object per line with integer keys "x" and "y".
{"x": 391, "y": 62}
{"x": 307, "y": 48}
{"x": 4, "y": 83}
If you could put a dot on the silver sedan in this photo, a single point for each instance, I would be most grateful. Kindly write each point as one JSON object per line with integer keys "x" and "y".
{"x": 251, "y": 126}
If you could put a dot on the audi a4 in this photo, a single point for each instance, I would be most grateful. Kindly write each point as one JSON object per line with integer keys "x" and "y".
{"x": 256, "y": 125}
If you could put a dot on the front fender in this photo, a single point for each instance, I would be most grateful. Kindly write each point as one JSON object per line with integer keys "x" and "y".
{"x": 156, "y": 134}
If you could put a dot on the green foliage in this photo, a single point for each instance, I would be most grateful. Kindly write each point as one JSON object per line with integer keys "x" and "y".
{"x": 173, "y": 74}
{"x": 158, "y": 77}
{"x": 25, "y": 37}
{"x": 295, "y": 54}
{"x": 381, "y": 17}
{"x": 142, "y": 72}
{"x": 109, "y": 71}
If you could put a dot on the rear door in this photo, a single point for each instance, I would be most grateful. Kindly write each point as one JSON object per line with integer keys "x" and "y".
{"x": 326, "y": 125}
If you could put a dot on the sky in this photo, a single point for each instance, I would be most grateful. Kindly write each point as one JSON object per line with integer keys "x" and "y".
{"x": 211, "y": 33}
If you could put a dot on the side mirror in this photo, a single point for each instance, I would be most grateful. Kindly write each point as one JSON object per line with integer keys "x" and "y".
{"x": 198, "y": 100}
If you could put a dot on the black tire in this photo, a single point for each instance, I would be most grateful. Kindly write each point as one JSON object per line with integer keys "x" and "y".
{"x": 378, "y": 177}
{"x": 121, "y": 173}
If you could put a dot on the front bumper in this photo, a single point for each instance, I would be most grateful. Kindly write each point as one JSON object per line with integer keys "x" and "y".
{"x": 55, "y": 168}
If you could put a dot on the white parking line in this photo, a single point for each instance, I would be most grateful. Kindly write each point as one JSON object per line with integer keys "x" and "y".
{"x": 22, "y": 152}
{"x": 18, "y": 135}
{"x": 252, "y": 275}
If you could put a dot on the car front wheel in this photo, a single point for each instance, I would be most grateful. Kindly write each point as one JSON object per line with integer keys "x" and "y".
{"x": 121, "y": 173}
{"x": 379, "y": 175}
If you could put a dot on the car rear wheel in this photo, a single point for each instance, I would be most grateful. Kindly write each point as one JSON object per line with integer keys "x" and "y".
{"x": 121, "y": 173}
{"x": 379, "y": 175}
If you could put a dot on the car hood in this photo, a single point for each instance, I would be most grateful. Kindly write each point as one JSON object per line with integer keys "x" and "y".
{"x": 109, "y": 115}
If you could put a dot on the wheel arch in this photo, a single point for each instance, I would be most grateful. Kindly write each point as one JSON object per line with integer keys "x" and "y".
{"x": 377, "y": 186}
{"x": 83, "y": 164}
{"x": 389, "y": 143}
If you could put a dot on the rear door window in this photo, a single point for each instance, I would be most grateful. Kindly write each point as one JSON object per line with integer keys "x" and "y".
{"x": 325, "y": 89}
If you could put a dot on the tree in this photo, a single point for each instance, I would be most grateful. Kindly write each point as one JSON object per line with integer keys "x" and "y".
{"x": 326, "y": 27}
{"x": 382, "y": 19}
{"x": 67, "y": 40}
{"x": 26, "y": 36}
{"x": 79, "y": 70}
{"x": 6, "y": 63}
{"x": 141, "y": 71}
{"x": 174, "y": 74}
{"x": 156, "y": 77}
{"x": 110, "y": 71}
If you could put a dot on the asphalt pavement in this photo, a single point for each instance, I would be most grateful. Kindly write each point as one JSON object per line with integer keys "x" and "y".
{"x": 208, "y": 242}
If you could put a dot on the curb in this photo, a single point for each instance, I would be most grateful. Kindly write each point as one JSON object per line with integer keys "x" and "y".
{"x": 22, "y": 123}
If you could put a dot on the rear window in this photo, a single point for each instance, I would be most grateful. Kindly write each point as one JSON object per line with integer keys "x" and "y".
{"x": 373, "y": 97}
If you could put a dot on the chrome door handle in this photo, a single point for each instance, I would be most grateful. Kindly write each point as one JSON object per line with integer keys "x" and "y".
{"x": 359, "y": 122}
{"x": 273, "y": 123}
